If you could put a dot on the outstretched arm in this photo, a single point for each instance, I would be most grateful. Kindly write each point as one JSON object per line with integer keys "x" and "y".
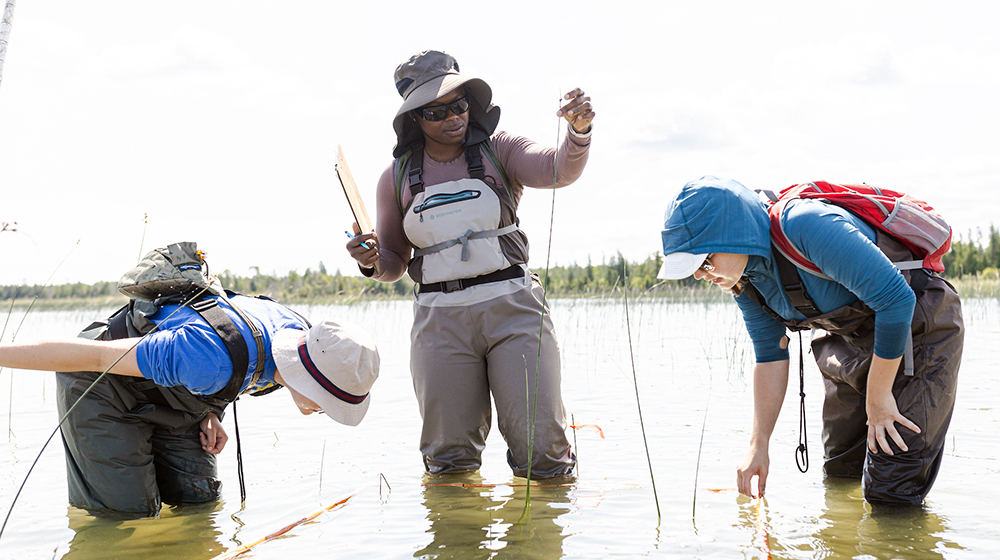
{"x": 76, "y": 354}
{"x": 770, "y": 381}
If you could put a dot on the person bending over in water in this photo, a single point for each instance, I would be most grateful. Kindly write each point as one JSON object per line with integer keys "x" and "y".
{"x": 447, "y": 216}
{"x": 148, "y": 433}
{"x": 879, "y": 424}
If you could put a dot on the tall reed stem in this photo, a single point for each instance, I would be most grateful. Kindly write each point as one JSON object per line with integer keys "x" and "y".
{"x": 635, "y": 381}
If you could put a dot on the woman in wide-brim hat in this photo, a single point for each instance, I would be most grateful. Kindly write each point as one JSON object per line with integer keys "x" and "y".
{"x": 450, "y": 222}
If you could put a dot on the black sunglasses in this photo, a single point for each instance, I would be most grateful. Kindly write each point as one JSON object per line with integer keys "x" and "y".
{"x": 440, "y": 112}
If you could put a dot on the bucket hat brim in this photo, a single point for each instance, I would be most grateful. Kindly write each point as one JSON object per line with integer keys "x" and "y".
{"x": 353, "y": 370}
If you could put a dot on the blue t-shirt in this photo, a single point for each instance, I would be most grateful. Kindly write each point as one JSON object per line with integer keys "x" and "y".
{"x": 186, "y": 351}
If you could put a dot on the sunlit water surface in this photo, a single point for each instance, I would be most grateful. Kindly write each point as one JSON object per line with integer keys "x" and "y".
{"x": 691, "y": 362}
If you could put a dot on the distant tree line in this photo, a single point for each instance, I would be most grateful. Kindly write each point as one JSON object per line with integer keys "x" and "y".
{"x": 573, "y": 280}
{"x": 974, "y": 256}
{"x": 967, "y": 257}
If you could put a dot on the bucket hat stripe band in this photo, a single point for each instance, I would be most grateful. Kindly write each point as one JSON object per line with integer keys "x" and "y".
{"x": 325, "y": 383}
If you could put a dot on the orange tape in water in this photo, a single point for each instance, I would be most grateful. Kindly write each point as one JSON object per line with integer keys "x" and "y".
{"x": 239, "y": 551}
{"x": 594, "y": 427}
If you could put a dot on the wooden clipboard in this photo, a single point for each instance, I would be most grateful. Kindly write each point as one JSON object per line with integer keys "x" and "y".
{"x": 353, "y": 196}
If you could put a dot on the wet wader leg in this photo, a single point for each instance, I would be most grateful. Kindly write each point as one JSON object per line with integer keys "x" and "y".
{"x": 845, "y": 431}
{"x": 449, "y": 380}
{"x": 927, "y": 399}
{"x": 109, "y": 462}
{"x": 512, "y": 325}
{"x": 185, "y": 473}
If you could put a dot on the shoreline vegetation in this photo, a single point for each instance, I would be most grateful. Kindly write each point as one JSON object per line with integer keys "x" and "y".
{"x": 981, "y": 279}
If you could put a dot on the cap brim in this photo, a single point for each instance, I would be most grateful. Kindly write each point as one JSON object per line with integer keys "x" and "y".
{"x": 284, "y": 349}
{"x": 680, "y": 265}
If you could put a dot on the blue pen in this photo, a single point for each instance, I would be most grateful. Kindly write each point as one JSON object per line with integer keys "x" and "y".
{"x": 363, "y": 244}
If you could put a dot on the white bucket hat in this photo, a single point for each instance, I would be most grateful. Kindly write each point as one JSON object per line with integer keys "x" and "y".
{"x": 680, "y": 265}
{"x": 334, "y": 364}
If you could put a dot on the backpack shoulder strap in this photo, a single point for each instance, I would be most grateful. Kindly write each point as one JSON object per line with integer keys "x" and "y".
{"x": 409, "y": 165}
{"x": 791, "y": 283}
{"x": 227, "y": 330}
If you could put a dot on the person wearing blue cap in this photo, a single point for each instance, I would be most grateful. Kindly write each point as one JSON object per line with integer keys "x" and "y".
{"x": 880, "y": 424}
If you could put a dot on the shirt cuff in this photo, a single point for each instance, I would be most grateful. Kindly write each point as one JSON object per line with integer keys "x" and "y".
{"x": 584, "y": 135}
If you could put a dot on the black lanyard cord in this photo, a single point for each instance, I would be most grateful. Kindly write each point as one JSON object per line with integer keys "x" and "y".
{"x": 802, "y": 451}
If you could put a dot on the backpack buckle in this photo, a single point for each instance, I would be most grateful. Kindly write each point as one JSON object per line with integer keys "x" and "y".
{"x": 453, "y": 285}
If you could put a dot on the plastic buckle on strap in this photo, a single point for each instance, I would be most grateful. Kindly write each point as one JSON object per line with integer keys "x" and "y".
{"x": 452, "y": 285}
{"x": 203, "y": 304}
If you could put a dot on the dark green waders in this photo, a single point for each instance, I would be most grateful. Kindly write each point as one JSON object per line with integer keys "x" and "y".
{"x": 131, "y": 444}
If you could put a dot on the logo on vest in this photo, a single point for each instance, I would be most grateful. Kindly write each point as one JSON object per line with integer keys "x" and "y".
{"x": 445, "y": 214}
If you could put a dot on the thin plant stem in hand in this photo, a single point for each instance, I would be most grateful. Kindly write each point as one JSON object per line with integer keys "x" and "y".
{"x": 541, "y": 325}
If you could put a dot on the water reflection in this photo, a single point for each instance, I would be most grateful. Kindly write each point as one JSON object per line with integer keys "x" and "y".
{"x": 472, "y": 519}
{"x": 180, "y": 532}
{"x": 852, "y": 528}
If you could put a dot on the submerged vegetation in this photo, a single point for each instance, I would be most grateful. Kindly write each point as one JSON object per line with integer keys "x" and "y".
{"x": 972, "y": 267}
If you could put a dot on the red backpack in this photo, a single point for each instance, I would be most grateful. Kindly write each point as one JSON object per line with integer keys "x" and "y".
{"x": 912, "y": 222}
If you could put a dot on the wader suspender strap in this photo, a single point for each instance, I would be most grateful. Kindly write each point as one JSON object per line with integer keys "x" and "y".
{"x": 226, "y": 329}
{"x": 117, "y": 328}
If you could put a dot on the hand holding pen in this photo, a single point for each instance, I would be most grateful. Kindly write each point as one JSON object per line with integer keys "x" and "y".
{"x": 363, "y": 247}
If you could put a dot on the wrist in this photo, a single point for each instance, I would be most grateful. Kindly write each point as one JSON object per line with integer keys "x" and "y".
{"x": 582, "y": 135}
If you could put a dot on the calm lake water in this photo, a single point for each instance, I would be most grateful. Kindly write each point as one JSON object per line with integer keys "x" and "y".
{"x": 692, "y": 363}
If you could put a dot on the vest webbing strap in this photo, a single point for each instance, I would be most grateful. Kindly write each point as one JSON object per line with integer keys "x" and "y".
{"x": 464, "y": 240}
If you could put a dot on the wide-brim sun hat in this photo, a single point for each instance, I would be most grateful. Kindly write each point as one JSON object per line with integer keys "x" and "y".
{"x": 334, "y": 364}
{"x": 680, "y": 265}
{"x": 430, "y": 75}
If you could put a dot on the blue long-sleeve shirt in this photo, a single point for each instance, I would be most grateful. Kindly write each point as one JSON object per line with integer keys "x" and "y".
{"x": 722, "y": 216}
{"x": 843, "y": 247}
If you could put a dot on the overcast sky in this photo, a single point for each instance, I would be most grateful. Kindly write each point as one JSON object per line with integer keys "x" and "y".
{"x": 129, "y": 125}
